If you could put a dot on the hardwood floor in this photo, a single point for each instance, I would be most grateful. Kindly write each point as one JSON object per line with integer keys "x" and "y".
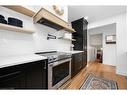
{"x": 105, "y": 71}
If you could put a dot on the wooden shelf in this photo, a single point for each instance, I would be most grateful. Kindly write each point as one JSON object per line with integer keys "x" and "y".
{"x": 45, "y": 17}
{"x": 67, "y": 39}
{"x": 21, "y": 10}
{"x": 14, "y": 28}
{"x": 73, "y": 39}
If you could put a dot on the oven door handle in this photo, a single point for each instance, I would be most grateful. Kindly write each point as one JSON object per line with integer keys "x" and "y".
{"x": 59, "y": 62}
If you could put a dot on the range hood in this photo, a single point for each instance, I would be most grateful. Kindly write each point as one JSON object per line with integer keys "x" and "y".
{"x": 47, "y": 18}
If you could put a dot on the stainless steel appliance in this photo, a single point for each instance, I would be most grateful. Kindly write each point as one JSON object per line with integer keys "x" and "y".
{"x": 59, "y": 68}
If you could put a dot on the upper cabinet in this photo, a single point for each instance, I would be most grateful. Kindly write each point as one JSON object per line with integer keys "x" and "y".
{"x": 45, "y": 17}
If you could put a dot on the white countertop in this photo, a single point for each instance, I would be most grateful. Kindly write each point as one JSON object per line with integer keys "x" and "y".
{"x": 73, "y": 52}
{"x": 15, "y": 60}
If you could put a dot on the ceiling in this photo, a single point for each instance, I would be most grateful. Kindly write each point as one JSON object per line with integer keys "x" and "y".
{"x": 94, "y": 13}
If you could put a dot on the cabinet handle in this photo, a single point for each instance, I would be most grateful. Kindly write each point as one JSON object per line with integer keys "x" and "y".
{"x": 10, "y": 74}
{"x": 45, "y": 65}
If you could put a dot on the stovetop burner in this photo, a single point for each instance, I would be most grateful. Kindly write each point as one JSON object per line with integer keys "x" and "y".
{"x": 54, "y": 55}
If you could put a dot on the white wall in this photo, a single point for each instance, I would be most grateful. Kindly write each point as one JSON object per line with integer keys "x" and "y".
{"x": 109, "y": 50}
{"x": 121, "y": 38}
{"x": 96, "y": 40}
{"x": 64, "y": 16}
{"x": 15, "y": 43}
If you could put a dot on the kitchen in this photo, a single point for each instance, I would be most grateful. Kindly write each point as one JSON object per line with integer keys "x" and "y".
{"x": 37, "y": 50}
{"x": 51, "y": 47}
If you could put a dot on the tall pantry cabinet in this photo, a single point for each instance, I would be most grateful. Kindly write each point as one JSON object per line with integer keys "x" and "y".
{"x": 80, "y": 35}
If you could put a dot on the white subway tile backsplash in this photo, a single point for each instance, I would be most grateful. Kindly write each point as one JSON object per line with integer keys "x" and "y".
{"x": 15, "y": 43}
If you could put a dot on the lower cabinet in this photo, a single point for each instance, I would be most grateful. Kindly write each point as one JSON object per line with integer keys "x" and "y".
{"x": 36, "y": 75}
{"x": 31, "y": 75}
{"x": 84, "y": 59}
{"x": 12, "y": 77}
{"x": 76, "y": 64}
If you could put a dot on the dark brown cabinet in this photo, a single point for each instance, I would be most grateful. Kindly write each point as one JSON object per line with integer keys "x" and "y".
{"x": 76, "y": 64}
{"x": 31, "y": 75}
{"x": 36, "y": 75}
{"x": 80, "y": 35}
{"x": 12, "y": 77}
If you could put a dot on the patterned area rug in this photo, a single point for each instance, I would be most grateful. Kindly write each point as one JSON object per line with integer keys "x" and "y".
{"x": 98, "y": 83}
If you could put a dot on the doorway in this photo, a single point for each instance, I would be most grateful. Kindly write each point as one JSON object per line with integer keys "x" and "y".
{"x": 102, "y": 44}
{"x": 96, "y": 43}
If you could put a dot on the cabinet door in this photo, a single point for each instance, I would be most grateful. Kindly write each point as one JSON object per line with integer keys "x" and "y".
{"x": 72, "y": 67}
{"x": 36, "y": 75}
{"x": 12, "y": 78}
{"x": 45, "y": 75}
{"x": 85, "y": 43}
{"x": 76, "y": 63}
{"x": 84, "y": 59}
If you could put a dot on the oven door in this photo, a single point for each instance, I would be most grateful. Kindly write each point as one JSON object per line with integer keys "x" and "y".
{"x": 58, "y": 73}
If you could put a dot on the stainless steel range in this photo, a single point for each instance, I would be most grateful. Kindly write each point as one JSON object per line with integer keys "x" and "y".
{"x": 59, "y": 68}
